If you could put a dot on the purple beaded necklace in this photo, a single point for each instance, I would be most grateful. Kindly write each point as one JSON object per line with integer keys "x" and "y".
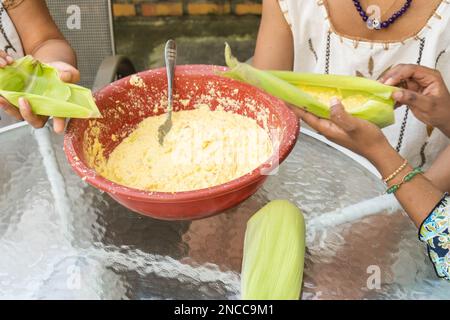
{"x": 377, "y": 24}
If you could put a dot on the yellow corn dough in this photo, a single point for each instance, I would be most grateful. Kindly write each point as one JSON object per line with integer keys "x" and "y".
{"x": 203, "y": 149}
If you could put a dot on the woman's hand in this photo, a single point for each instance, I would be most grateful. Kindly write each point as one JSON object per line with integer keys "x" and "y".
{"x": 67, "y": 74}
{"x": 426, "y": 94}
{"x": 358, "y": 135}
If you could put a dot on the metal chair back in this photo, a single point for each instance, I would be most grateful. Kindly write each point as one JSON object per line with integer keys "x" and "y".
{"x": 88, "y": 26}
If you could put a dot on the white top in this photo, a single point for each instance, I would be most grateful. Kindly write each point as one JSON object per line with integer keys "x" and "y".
{"x": 311, "y": 30}
{"x": 9, "y": 38}
{"x": 11, "y": 44}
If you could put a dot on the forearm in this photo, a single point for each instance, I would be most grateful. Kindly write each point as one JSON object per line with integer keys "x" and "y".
{"x": 274, "y": 46}
{"x": 39, "y": 34}
{"x": 55, "y": 50}
{"x": 419, "y": 196}
{"x": 439, "y": 173}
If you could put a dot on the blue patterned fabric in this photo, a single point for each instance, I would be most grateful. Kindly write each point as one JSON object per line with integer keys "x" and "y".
{"x": 435, "y": 233}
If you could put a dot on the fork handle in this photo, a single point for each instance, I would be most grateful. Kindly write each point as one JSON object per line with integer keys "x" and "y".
{"x": 171, "y": 59}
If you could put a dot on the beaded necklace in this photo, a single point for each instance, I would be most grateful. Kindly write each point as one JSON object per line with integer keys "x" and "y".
{"x": 376, "y": 24}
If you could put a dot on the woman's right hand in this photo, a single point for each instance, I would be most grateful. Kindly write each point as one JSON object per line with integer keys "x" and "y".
{"x": 24, "y": 111}
{"x": 427, "y": 95}
{"x": 6, "y": 60}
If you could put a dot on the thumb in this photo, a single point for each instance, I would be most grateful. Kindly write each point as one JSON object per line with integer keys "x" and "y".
{"x": 340, "y": 117}
{"x": 67, "y": 72}
{"x": 65, "y": 76}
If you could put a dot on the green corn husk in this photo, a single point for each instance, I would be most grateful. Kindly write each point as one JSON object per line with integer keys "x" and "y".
{"x": 48, "y": 95}
{"x": 274, "y": 251}
{"x": 363, "y": 98}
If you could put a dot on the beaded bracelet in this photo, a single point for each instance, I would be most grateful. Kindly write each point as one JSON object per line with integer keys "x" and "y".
{"x": 396, "y": 172}
{"x": 405, "y": 179}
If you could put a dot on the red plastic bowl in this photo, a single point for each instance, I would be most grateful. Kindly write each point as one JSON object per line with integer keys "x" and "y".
{"x": 125, "y": 105}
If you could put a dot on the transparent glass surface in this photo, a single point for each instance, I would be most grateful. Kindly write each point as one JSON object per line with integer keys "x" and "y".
{"x": 61, "y": 238}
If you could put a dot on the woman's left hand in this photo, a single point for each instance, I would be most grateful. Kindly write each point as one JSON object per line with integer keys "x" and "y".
{"x": 357, "y": 135}
{"x": 427, "y": 95}
{"x": 67, "y": 73}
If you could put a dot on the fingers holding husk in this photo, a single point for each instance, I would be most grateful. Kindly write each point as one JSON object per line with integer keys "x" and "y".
{"x": 6, "y": 56}
{"x": 3, "y": 62}
{"x": 35, "y": 121}
{"x": 413, "y": 99}
{"x": 323, "y": 126}
{"x": 10, "y": 109}
{"x": 65, "y": 76}
{"x": 423, "y": 76}
{"x": 340, "y": 117}
{"x": 42, "y": 87}
{"x": 5, "y": 59}
{"x": 396, "y": 75}
{"x": 309, "y": 118}
{"x": 44, "y": 106}
{"x": 299, "y": 112}
{"x": 59, "y": 125}
{"x": 67, "y": 73}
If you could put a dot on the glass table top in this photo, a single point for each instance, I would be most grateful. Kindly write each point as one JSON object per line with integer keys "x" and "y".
{"x": 63, "y": 239}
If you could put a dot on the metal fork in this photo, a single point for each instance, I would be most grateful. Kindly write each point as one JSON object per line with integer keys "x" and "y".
{"x": 171, "y": 58}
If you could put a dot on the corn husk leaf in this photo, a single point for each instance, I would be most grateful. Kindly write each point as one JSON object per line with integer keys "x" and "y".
{"x": 49, "y": 96}
{"x": 348, "y": 83}
{"x": 274, "y": 251}
{"x": 363, "y": 98}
